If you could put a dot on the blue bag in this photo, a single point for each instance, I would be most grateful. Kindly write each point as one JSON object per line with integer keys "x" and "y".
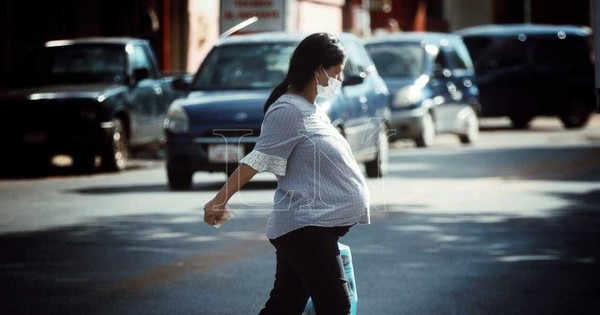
{"x": 349, "y": 274}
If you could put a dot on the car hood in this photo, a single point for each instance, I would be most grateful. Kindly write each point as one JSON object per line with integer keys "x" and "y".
{"x": 225, "y": 108}
{"x": 58, "y": 92}
{"x": 394, "y": 84}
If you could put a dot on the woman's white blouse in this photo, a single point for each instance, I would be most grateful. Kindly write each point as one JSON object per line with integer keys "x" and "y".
{"x": 319, "y": 181}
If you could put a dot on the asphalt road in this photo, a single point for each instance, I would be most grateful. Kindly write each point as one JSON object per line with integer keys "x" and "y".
{"x": 509, "y": 225}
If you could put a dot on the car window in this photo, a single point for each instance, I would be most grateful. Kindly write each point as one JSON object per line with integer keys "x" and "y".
{"x": 76, "y": 64}
{"x": 249, "y": 66}
{"x": 566, "y": 52}
{"x": 397, "y": 59}
{"x": 455, "y": 60}
{"x": 440, "y": 64}
{"x": 86, "y": 59}
{"x": 350, "y": 68}
{"x": 151, "y": 60}
{"x": 477, "y": 46}
{"x": 357, "y": 61}
{"x": 501, "y": 54}
{"x": 139, "y": 59}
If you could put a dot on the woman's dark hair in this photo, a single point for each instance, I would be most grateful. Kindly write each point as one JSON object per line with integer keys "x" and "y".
{"x": 319, "y": 49}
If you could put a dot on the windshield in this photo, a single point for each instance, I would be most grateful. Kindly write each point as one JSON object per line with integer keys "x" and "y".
{"x": 77, "y": 64}
{"x": 491, "y": 55}
{"x": 250, "y": 66}
{"x": 397, "y": 59}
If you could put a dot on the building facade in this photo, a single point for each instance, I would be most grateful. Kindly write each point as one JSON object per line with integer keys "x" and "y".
{"x": 182, "y": 31}
{"x": 451, "y": 15}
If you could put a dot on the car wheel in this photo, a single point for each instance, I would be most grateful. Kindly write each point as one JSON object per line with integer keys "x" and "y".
{"x": 379, "y": 166}
{"x": 521, "y": 122}
{"x": 577, "y": 114}
{"x": 116, "y": 153}
{"x": 427, "y": 136}
{"x": 472, "y": 129}
{"x": 179, "y": 180}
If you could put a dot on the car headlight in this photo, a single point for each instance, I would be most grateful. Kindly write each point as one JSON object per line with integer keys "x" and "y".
{"x": 177, "y": 120}
{"x": 408, "y": 96}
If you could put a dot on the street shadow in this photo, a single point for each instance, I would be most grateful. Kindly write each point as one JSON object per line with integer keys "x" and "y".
{"x": 509, "y": 128}
{"x": 480, "y": 263}
{"x": 582, "y": 199}
{"x": 85, "y": 269}
{"x": 25, "y": 169}
{"x": 152, "y": 188}
{"x": 405, "y": 262}
{"x": 539, "y": 124}
{"x": 565, "y": 163}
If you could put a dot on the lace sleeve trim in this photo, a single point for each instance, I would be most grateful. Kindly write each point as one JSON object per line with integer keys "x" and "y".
{"x": 263, "y": 162}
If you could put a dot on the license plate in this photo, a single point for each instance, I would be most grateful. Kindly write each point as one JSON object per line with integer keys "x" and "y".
{"x": 225, "y": 153}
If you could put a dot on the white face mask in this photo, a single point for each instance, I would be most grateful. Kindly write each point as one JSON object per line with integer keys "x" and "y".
{"x": 328, "y": 91}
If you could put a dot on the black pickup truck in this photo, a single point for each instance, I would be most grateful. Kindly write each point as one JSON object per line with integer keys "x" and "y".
{"x": 85, "y": 98}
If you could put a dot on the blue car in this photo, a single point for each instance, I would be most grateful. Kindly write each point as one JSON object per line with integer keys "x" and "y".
{"x": 431, "y": 80}
{"x": 219, "y": 120}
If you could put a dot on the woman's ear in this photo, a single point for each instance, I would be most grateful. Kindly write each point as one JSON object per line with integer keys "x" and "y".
{"x": 319, "y": 73}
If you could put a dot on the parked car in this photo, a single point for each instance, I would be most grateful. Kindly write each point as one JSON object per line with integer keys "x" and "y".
{"x": 430, "y": 79}
{"x": 83, "y": 97}
{"x": 524, "y": 71}
{"x": 219, "y": 121}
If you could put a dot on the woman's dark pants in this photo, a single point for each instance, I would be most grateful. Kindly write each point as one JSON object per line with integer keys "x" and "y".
{"x": 309, "y": 265}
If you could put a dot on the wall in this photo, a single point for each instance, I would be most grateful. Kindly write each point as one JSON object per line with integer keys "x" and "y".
{"x": 317, "y": 16}
{"x": 576, "y": 12}
{"x": 203, "y": 30}
{"x": 300, "y": 15}
{"x": 465, "y": 13}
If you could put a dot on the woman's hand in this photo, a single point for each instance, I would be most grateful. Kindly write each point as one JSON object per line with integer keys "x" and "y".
{"x": 214, "y": 211}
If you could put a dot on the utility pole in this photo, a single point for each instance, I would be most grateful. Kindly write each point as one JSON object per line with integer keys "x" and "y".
{"x": 527, "y": 11}
{"x": 596, "y": 30}
{"x": 365, "y": 19}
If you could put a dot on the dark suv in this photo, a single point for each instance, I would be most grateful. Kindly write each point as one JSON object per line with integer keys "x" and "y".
{"x": 524, "y": 71}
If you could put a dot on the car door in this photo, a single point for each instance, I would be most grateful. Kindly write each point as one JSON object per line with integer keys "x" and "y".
{"x": 442, "y": 87}
{"x": 361, "y": 126}
{"x": 502, "y": 68}
{"x": 146, "y": 98}
{"x": 458, "y": 84}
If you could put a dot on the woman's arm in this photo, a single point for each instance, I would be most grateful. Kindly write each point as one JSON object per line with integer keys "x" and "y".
{"x": 214, "y": 209}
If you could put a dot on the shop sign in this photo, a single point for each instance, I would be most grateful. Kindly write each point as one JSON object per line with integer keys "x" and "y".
{"x": 270, "y": 14}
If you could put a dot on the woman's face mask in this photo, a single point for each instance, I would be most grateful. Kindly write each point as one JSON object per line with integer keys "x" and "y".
{"x": 328, "y": 91}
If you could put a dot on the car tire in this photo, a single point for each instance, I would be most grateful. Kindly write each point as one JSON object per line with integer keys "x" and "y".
{"x": 379, "y": 166}
{"x": 472, "y": 132}
{"x": 179, "y": 180}
{"x": 576, "y": 114}
{"x": 116, "y": 151}
{"x": 427, "y": 136}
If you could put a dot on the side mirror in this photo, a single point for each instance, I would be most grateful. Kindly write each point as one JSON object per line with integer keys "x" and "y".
{"x": 181, "y": 83}
{"x": 354, "y": 79}
{"x": 140, "y": 74}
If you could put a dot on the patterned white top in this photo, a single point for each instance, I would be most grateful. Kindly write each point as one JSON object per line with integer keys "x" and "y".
{"x": 319, "y": 181}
